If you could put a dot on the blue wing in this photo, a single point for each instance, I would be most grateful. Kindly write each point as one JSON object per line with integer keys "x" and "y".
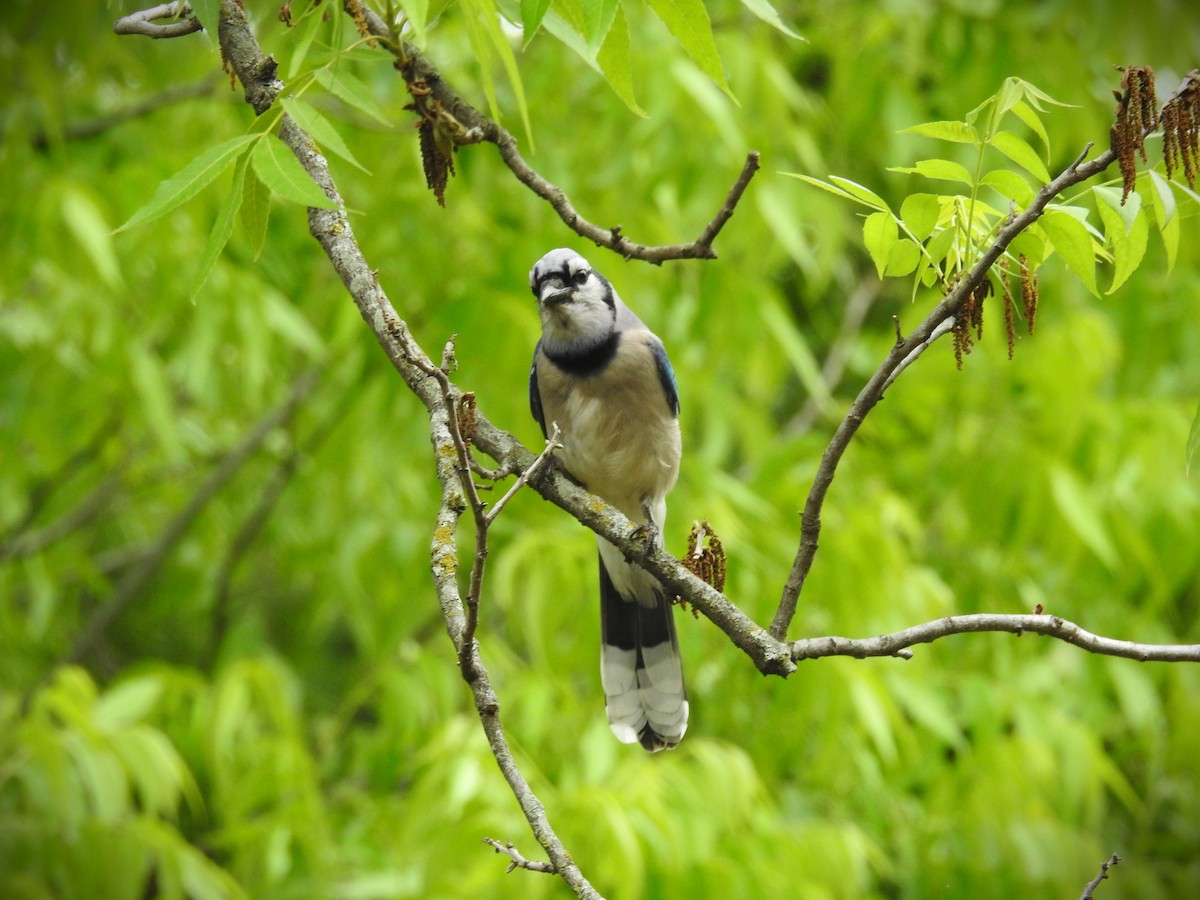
{"x": 535, "y": 396}
{"x": 666, "y": 376}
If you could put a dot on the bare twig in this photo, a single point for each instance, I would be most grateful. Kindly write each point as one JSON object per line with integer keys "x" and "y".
{"x": 417, "y": 68}
{"x": 519, "y": 861}
{"x": 33, "y": 542}
{"x": 88, "y": 128}
{"x": 1091, "y": 886}
{"x": 552, "y": 445}
{"x": 143, "y": 21}
{"x": 897, "y": 643}
{"x": 43, "y": 489}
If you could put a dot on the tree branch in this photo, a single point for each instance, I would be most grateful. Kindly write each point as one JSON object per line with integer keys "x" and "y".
{"x": 518, "y": 861}
{"x": 1091, "y": 886}
{"x": 417, "y": 67}
{"x": 143, "y": 21}
{"x": 896, "y": 644}
{"x": 903, "y": 354}
{"x": 89, "y": 128}
{"x": 441, "y": 398}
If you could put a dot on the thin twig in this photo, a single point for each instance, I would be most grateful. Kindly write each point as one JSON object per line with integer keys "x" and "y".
{"x": 872, "y": 392}
{"x": 43, "y": 488}
{"x": 519, "y": 861}
{"x": 89, "y": 128}
{"x": 482, "y": 128}
{"x": 1091, "y": 886}
{"x": 143, "y": 21}
{"x": 897, "y": 643}
{"x": 552, "y": 444}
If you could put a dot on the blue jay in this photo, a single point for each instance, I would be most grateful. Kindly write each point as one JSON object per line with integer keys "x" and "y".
{"x": 604, "y": 378}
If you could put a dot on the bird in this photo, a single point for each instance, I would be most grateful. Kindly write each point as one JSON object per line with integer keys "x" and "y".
{"x": 604, "y": 379}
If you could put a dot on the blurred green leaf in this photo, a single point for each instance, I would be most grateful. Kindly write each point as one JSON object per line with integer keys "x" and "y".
{"x": 1082, "y": 513}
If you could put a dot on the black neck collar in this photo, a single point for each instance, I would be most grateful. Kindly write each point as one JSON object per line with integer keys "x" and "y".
{"x": 588, "y": 360}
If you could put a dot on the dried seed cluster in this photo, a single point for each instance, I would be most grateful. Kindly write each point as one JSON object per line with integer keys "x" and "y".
{"x": 705, "y": 557}
{"x": 1136, "y": 116}
{"x": 968, "y": 324}
{"x": 1180, "y": 120}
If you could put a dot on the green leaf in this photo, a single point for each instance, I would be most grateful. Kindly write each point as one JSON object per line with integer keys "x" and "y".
{"x": 532, "y": 13}
{"x": 903, "y": 258}
{"x": 1127, "y": 232}
{"x": 487, "y": 36}
{"x": 1127, "y": 211}
{"x": 189, "y": 181}
{"x": 860, "y": 193}
{"x": 320, "y": 129}
{"x": 351, "y": 90}
{"x": 306, "y": 32}
{"x": 208, "y": 14}
{"x": 615, "y": 63}
{"x": 150, "y": 382}
{"x": 879, "y": 234}
{"x": 1016, "y": 149}
{"x": 127, "y": 702}
{"x": 767, "y": 12}
{"x": 284, "y": 176}
{"x": 688, "y": 21}
{"x": 1009, "y": 184}
{"x": 222, "y": 227}
{"x": 920, "y": 213}
{"x": 598, "y": 16}
{"x": 1027, "y": 115}
{"x": 1073, "y": 243}
{"x": 256, "y": 212}
{"x": 939, "y": 169}
{"x": 782, "y": 327}
{"x": 85, "y": 221}
{"x": 956, "y": 132}
{"x": 1163, "y": 198}
{"x": 1082, "y": 514}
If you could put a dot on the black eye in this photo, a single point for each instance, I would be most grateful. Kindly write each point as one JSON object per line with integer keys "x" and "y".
{"x": 580, "y": 277}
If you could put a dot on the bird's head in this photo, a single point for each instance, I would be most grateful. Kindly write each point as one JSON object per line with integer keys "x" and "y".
{"x": 576, "y": 303}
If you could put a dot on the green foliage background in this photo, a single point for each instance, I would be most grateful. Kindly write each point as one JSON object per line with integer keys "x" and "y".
{"x": 276, "y": 712}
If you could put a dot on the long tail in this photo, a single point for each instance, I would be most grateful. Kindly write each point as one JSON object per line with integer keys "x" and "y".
{"x": 640, "y": 665}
